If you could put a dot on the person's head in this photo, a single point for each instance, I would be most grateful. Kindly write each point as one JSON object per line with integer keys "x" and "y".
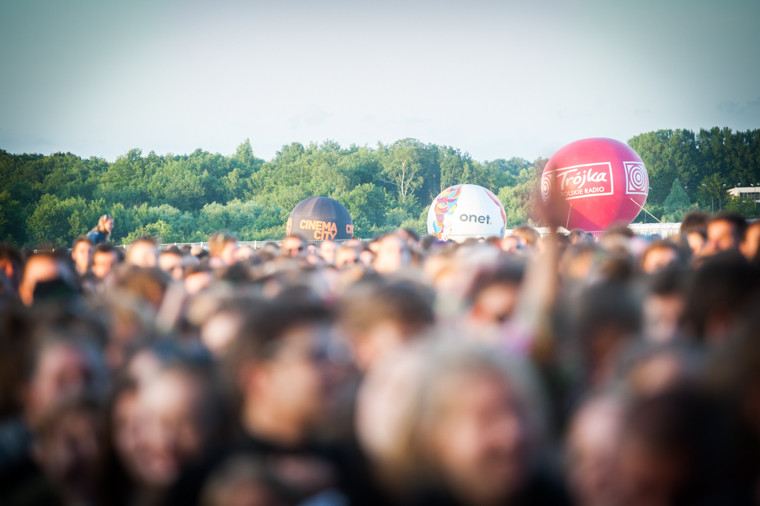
{"x": 493, "y": 294}
{"x": 717, "y": 293}
{"x": 43, "y": 268}
{"x": 11, "y": 265}
{"x": 378, "y": 316}
{"x": 223, "y": 246}
{"x": 197, "y": 278}
{"x": 171, "y": 262}
{"x": 81, "y": 254}
{"x": 143, "y": 253}
{"x": 578, "y": 236}
{"x": 725, "y": 231}
{"x": 104, "y": 259}
{"x": 69, "y": 448}
{"x": 695, "y": 238}
{"x": 328, "y": 250}
{"x": 528, "y": 235}
{"x": 294, "y": 246}
{"x": 59, "y": 367}
{"x": 607, "y": 319}
{"x": 663, "y": 305}
{"x": 280, "y": 363}
{"x": 105, "y": 224}
{"x": 346, "y": 256}
{"x": 450, "y": 413}
{"x": 751, "y": 243}
{"x": 658, "y": 255}
{"x": 392, "y": 254}
{"x": 148, "y": 284}
{"x": 591, "y": 448}
{"x": 668, "y": 449}
{"x": 181, "y": 415}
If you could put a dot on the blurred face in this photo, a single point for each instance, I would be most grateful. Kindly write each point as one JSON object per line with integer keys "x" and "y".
{"x": 696, "y": 243}
{"x": 62, "y": 371}
{"x": 143, "y": 254}
{"x": 658, "y": 258}
{"x": 71, "y": 452}
{"x": 751, "y": 241}
{"x": 125, "y": 420}
{"x": 171, "y": 264}
{"x": 327, "y": 251}
{"x": 480, "y": 439}
{"x": 108, "y": 225}
{"x": 293, "y": 247}
{"x": 38, "y": 269}
{"x": 720, "y": 237}
{"x": 229, "y": 252}
{"x": 662, "y": 317}
{"x": 172, "y": 433}
{"x": 592, "y": 446}
{"x": 495, "y": 304}
{"x": 194, "y": 283}
{"x": 392, "y": 254}
{"x": 346, "y": 257}
{"x": 298, "y": 375}
{"x": 103, "y": 262}
{"x": 81, "y": 254}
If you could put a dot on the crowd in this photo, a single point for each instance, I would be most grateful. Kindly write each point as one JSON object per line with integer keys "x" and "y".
{"x": 524, "y": 370}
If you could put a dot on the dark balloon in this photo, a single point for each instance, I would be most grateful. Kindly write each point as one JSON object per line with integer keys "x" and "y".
{"x": 320, "y": 219}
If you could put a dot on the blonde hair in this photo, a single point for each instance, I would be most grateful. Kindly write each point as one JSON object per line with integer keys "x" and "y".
{"x": 413, "y": 386}
{"x": 101, "y": 225}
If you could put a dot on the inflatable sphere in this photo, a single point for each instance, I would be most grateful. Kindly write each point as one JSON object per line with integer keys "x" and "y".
{"x": 466, "y": 210}
{"x": 604, "y": 182}
{"x": 320, "y": 219}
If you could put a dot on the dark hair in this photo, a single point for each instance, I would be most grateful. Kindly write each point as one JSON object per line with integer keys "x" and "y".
{"x": 268, "y": 322}
{"x": 694, "y": 221}
{"x": 736, "y": 220}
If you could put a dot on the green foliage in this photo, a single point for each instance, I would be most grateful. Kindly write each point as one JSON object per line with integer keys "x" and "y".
{"x": 180, "y": 198}
{"x": 676, "y": 203}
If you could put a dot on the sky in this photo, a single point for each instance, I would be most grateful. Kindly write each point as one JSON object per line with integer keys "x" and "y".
{"x": 495, "y": 79}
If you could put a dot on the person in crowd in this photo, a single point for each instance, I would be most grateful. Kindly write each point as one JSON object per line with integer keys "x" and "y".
{"x": 11, "y": 266}
{"x": 222, "y": 249}
{"x": 102, "y": 231}
{"x": 725, "y": 231}
{"x": 379, "y": 315}
{"x": 346, "y": 256}
{"x": 392, "y": 254}
{"x": 406, "y": 371}
{"x": 454, "y": 423}
{"x": 591, "y": 445}
{"x": 143, "y": 252}
{"x": 81, "y": 255}
{"x": 750, "y": 246}
{"x": 171, "y": 261}
{"x": 328, "y": 251}
{"x": 294, "y": 246}
{"x": 658, "y": 255}
{"x": 528, "y": 236}
{"x": 104, "y": 259}
{"x": 694, "y": 231}
{"x": 46, "y": 275}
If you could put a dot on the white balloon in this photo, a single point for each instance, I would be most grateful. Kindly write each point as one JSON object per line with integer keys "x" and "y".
{"x": 466, "y": 210}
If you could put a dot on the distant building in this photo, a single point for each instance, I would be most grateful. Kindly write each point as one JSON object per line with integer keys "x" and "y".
{"x": 746, "y": 192}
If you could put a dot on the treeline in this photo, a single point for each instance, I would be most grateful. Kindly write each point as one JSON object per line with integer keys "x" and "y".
{"x": 53, "y": 199}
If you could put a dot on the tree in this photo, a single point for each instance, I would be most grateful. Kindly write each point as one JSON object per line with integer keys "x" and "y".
{"x": 677, "y": 200}
{"x": 402, "y": 168}
{"x": 713, "y": 190}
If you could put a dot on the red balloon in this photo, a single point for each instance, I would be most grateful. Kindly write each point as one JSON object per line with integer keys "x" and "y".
{"x": 604, "y": 182}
